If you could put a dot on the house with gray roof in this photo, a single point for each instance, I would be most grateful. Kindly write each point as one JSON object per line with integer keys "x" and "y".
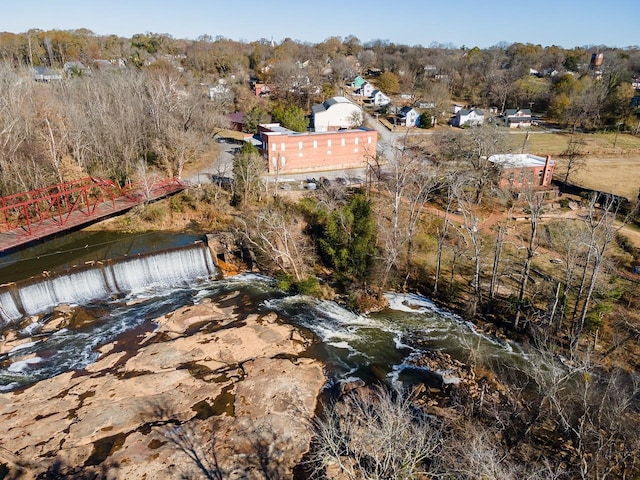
{"x": 408, "y": 116}
{"x": 517, "y": 117}
{"x": 45, "y": 74}
{"x": 379, "y": 99}
{"x": 468, "y": 117}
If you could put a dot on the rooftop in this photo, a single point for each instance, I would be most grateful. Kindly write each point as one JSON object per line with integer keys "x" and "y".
{"x": 277, "y": 129}
{"x": 518, "y": 160}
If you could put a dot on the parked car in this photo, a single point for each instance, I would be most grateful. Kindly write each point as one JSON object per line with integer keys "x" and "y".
{"x": 341, "y": 181}
{"x": 223, "y": 182}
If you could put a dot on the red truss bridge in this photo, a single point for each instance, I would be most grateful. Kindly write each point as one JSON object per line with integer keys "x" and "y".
{"x": 31, "y": 216}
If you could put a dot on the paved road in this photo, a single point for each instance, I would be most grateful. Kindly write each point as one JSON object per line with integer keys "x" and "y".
{"x": 387, "y": 147}
{"x": 222, "y": 167}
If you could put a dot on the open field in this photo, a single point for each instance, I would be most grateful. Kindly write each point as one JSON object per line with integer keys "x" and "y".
{"x": 598, "y": 144}
{"x": 602, "y": 167}
{"x": 620, "y": 176}
{"x": 609, "y": 163}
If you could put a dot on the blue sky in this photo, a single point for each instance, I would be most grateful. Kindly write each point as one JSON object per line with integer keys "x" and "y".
{"x": 482, "y": 23}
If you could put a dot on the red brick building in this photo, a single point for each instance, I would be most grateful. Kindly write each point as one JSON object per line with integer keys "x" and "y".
{"x": 289, "y": 151}
{"x": 518, "y": 171}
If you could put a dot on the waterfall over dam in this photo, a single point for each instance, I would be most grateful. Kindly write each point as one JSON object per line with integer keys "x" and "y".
{"x": 97, "y": 280}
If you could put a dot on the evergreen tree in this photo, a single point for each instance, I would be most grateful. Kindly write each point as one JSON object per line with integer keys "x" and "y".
{"x": 253, "y": 118}
{"x": 348, "y": 238}
{"x": 290, "y": 116}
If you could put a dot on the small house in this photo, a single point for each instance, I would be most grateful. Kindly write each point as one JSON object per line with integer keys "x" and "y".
{"x": 379, "y": 99}
{"x": 517, "y": 117}
{"x": 262, "y": 90}
{"x": 45, "y": 74}
{"x": 468, "y": 118}
{"x": 358, "y": 82}
{"x": 408, "y": 117}
{"x": 366, "y": 90}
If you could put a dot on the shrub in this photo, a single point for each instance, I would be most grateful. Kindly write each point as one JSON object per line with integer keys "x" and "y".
{"x": 153, "y": 212}
{"x": 284, "y": 282}
{"x": 564, "y": 203}
{"x": 307, "y": 286}
{"x": 176, "y": 205}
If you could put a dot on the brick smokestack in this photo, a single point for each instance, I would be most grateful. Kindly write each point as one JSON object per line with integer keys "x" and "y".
{"x": 545, "y": 170}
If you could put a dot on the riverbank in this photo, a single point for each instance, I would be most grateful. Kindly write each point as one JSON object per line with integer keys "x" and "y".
{"x": 210, "y": 391}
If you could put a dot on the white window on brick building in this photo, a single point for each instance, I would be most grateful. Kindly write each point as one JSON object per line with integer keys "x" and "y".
{"x": 355, "y": 150}
{"x": 299, "y": 145}
{"x": 369, "y": 139}
{"x": 274, "y": 147}
{"x": 343, "y": 142}
{"x": 315, "y": 144}
{"x": 356, "y": 140}
{"x": 282, "y": 146}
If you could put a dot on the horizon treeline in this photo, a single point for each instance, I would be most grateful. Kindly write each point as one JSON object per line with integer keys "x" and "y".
{"x": 124, "y": 105}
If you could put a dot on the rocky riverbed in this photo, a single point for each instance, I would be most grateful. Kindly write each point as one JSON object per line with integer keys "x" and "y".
{"x": 210, "y": 391}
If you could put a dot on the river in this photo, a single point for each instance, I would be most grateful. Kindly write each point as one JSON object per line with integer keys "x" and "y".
{"x": 123, "y": 297}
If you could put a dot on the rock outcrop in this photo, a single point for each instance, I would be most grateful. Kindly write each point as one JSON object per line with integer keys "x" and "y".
{"x": 207, "y": 391}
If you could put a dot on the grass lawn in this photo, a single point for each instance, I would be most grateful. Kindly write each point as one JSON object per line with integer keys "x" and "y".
{"x": 598, "y": 144}
{"x": 602, "y": 167}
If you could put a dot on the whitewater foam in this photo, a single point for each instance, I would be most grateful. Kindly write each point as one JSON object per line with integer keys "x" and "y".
{"x": 21, "y": 366}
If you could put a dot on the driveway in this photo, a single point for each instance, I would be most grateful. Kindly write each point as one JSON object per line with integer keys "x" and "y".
{"x": 222, "y": 167}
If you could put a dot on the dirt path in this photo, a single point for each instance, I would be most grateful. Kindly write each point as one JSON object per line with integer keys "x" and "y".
{"x": 632, "y": 234}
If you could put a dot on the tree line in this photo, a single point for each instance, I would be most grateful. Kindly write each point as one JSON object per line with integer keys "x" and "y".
{"x": 423, "y": 222}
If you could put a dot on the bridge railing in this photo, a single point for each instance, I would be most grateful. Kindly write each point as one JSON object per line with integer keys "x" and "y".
{"x": 27, "y": 210}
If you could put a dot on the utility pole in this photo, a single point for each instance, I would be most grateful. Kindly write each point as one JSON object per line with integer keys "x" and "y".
{"x": 615, "y": 138}
{"x": 526, "y": 138}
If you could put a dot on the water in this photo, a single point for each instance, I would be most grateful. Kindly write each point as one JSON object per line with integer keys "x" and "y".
{"x": 381, "y": 346}
{"x": 99, "y": 280}
{"x": 84, "y": 246}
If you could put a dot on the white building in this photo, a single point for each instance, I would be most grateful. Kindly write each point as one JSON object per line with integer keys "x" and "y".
{"x": 334, "y": 114}
{"x": 472, "y": 118}
{"x": 379, "y": 99}
{"x": 365, "y": 90}
{"x": 408, "y": 116}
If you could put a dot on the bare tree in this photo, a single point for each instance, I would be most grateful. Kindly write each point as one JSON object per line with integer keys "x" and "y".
{"x": 569, "y": 240}
{"x": 375, "y": 434}
{"x": 535, "y": 202}
{"x": 278, "y": 236}
{"x": 248, "y": 167}
{"x": 473, "y": 238}
{"x": 410, "y": 182}
{"x": 601, "y": 223}
{"x": 442, "y": 231}
{"x": 573, "y": 157}
{"x": 471, "y": 149}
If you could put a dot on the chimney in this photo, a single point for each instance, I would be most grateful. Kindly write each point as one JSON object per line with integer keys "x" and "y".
{"x": 545, "y": 170}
